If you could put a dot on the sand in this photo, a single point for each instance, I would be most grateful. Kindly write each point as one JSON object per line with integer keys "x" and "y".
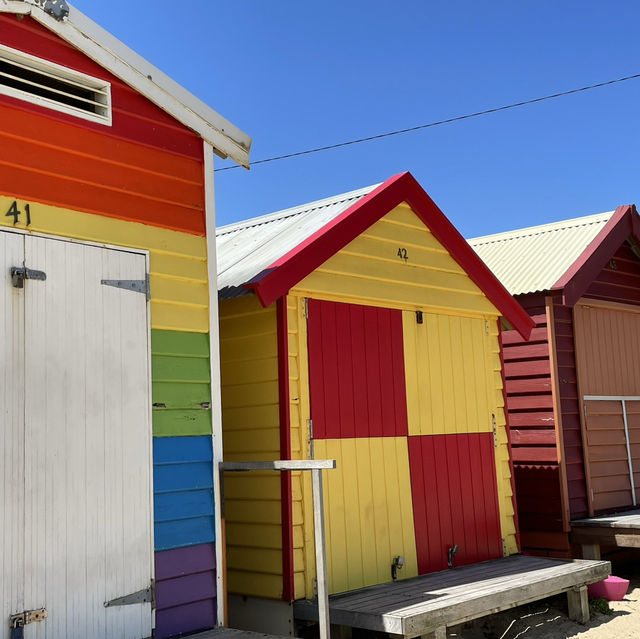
{"x": 547, "y": 619}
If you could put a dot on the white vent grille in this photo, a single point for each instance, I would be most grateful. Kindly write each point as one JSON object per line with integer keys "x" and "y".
{"x": 47, "y": 84}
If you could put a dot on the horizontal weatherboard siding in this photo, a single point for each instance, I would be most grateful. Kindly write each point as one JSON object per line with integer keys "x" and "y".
{"x": 177, "y": 261}
{"x": 185, "y": 590}
{"x": 183, "y": 491}
{"x": 181, "y": 387}
{"x": 146, "y": 167}
{"x": 135, "y": 118}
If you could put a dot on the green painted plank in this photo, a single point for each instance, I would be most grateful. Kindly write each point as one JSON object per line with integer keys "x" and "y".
{"x": 179, "y": 343}
{"x": 180, "y": 369}
{"x": 175, "y": 395}
{"x": 181, "y": 423}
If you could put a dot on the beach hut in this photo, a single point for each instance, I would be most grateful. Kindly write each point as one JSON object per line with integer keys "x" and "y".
{"x": 108, "y": 339}
{"x": 574, "y": 389}
{"x": 360, "y": 328}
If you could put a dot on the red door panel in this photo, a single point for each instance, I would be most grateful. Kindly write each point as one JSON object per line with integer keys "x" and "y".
{"x": 356, "y": 371}
{"x": 453, "y": 482}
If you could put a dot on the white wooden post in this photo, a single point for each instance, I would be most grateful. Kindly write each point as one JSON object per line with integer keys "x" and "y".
{"x": 315, "y": 466}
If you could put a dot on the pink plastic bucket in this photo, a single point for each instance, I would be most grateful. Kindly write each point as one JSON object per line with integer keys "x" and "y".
{"x": 612, "y": 589}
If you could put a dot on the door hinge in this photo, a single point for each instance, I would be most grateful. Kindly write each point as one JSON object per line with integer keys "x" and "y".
{"x": 495, "y": 430}
{"x": 419, "y": 317}
{"x": 20, "y": 273}
{"x": 140, "y": 597}
{"x": 486, "y": 327}
{"x": 137, "y": 286}
{"x": 306, "y": 308}
{"x": 310, "y": 424}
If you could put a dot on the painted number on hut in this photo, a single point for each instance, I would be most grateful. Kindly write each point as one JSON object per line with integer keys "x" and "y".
{"x": 402, "y": 254}
{"x": 15, "y": 212}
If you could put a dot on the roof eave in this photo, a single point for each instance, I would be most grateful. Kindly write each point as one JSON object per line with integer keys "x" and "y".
{"x": 577, "y": 279}
{"x": 102, "y": 47}
{"x": 285, "y": 273}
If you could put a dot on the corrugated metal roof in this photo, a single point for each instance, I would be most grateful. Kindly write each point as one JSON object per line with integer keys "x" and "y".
{"x": 247, "y": 248}
{"x": 533, "y": 259}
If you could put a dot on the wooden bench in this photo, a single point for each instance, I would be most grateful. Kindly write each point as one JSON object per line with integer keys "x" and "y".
{"x": 426, "y": 605}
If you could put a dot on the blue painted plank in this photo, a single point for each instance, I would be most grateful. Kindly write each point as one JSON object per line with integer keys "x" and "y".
{"x": 184, "y": 532}
{"x": 181, "y": 477}
{"x": 183, "y": 505}
{"x": 177, "y": 450}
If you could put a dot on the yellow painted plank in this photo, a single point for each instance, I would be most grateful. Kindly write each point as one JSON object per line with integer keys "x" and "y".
{"x": 449, "y": 381}
{"x": 254, "y": 584}
{"x": 361, "y": 290}
{"x": 251, "y": 432}
{"x": 245, "y": 559}
{"x": 369, "y": 514}
{"x": 369, "y": 271}
{"x": 250, "y": 535}
{"x": 177, "y": 304}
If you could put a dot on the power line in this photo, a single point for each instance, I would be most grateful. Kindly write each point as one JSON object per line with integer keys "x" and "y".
{"x": 458, "y": 118}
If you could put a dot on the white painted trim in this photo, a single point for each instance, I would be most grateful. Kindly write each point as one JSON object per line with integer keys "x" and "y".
{"x": 116, "y": 57}
{"x": 214, "y": 363}
{"x": 611, "y": 398}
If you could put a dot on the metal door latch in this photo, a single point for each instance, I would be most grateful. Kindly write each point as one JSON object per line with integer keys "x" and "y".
{"x": 20, "y": 273}
{"x": 19, "y": 621}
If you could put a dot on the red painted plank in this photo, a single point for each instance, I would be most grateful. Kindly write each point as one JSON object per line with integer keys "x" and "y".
{"x": 539, "y": 334}
{"x": 537, "y": 455}
{"x": 454, "y": 491}
{"x": 526, "y": 351}
{"x": 534, "y": 437}
{"x": 531, "y": 419}
{"x": 527, "y": 368}
{"x": 356, "y": 371}
{"x": 531, "y": 402}
{"x": 535, "y": 385}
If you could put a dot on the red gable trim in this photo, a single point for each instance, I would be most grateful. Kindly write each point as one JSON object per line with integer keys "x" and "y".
{"x": 293, "y": 267}
{"x": 623, "y": 224}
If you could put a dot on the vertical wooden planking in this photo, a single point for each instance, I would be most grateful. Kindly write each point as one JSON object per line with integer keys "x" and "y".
{"x": 93, "y": 414}
{"x": 357, "y": 381}
{"x": 447, "y": 374}
{"x": 364, "y": 532}
{"x": 449, "y": 510}
{"x": 12, "y": 395}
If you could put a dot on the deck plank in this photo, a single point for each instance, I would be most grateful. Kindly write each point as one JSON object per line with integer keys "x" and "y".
{"x": 231, "y": 633}
{"x": 628, "y": 519}
{"x": 423, "y": 604}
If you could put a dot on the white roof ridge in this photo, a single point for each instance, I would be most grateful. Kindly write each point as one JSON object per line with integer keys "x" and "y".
{"x": 112, "y": 54}
{"x": 294, "y": 210}
{"x": 541, "y": 228}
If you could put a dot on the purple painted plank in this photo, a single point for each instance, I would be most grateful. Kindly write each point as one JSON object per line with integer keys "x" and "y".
{"x": 185, "y": 561}
{"x": 185, "y": 619}
{"x": 183, "y": 590}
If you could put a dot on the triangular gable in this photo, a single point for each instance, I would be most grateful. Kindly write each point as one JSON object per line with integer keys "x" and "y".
{"x": 99, "y": 45}
{"x": 291, "y": 268}
{"x": 624, "y": 223}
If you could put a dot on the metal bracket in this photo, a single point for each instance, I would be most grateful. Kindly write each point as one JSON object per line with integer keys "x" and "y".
{"x": 28, "y": 616}
{"x": 142, "y": 596}
{"x": 137, "y": 286}
{"x": 59, "y": 9}
{"x": 19, "y": 274}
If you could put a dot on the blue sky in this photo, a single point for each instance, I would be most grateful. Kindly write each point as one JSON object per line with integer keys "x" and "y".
{"x": 297, "y": 75}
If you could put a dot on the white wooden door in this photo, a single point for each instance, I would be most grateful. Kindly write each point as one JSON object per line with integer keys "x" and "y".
{"x": 87, "y": 442}
{"x": 11, "y": 433}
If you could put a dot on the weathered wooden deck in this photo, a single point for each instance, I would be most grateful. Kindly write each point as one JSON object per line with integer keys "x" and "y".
{"x": 620, "y": 529}
{"x": 430, "y": 603}
{"x": 230, "y": 633}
